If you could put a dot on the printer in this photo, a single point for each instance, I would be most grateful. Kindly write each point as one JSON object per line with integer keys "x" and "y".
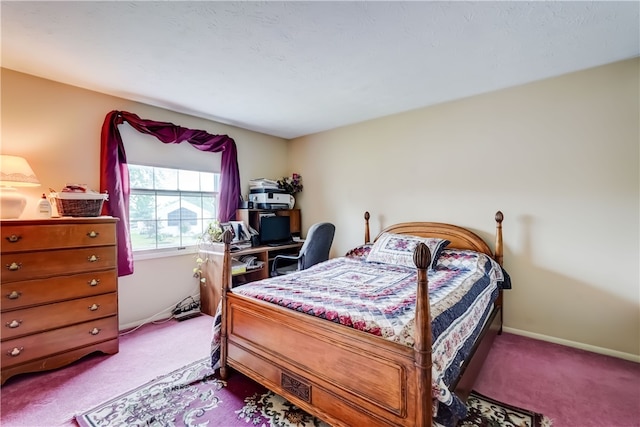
{"x": 270, "y": 198}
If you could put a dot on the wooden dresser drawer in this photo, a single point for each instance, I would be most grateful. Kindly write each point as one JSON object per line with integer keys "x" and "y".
{"x": 33, "y": 265}
{"x": 20, "y": 238}
{"x": 18, "y": 323}
{"x": 31, "y": 347}
{"x": 54, "y": 289}
{"x": 58, "y": 292}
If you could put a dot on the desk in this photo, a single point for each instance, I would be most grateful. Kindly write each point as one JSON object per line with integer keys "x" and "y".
{"x": 216, "y": 270}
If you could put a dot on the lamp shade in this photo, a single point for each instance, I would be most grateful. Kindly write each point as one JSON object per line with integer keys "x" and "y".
{"x": 14, "y": 172}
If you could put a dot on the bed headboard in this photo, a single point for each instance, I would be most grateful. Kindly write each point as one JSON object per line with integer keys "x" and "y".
{"x": 460, "y": 238}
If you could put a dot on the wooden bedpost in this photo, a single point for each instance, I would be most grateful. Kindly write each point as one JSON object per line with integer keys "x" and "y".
{"x": 499, "y": 249}
{"x": 366, "y": 228}
{"x": 225, "y": 285}
{"x": 498, "y": 256}
{"x": 422, "y": 338}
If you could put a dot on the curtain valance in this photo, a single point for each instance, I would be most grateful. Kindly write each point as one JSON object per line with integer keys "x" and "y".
{"x": 114, "y": 173}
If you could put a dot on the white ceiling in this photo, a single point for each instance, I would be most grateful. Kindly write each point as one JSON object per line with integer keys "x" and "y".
{"x": 295, "y": 68}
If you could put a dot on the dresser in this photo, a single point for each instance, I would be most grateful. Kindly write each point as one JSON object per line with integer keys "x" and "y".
{"x": 59, "y": 292}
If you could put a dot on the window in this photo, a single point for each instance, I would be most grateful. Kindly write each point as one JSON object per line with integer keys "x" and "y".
{"x": 170, "y": 208}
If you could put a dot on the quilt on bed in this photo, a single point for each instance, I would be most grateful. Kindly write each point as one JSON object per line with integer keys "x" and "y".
{"x": 380, "y": 299}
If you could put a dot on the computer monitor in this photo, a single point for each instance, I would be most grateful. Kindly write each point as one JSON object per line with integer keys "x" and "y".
{"x": 275, "y": 230}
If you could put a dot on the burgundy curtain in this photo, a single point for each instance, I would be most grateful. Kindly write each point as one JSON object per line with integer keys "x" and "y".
{"x": 114, "y": 173}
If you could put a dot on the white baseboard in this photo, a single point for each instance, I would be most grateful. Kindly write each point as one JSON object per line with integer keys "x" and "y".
{"x": 160, "y": 316}
{"x": 132, "y": 325}
{"x": 574, "y": 344}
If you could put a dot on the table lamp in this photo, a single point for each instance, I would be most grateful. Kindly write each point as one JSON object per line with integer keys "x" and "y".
{"x": 14, "y": 172}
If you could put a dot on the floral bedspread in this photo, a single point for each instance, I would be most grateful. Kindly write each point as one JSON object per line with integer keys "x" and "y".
{"x": 380, "y": 299}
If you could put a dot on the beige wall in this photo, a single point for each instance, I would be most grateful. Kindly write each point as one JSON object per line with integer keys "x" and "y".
{"x": 57, "y": 128}
{"x": 559, "y": 157}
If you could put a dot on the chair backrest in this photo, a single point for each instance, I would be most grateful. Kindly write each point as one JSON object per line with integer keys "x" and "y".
{"x": 317, "y": 245}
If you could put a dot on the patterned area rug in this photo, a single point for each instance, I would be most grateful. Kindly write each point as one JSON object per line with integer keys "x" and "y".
{"x": 486, "y": 412}
{"x": 194, "y": 396}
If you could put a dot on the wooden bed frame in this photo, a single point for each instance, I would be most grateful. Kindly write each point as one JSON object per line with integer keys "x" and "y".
{"x": 344, "y": 376}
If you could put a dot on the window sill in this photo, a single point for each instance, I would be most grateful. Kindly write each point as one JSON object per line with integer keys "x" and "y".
{"x": 163, "y": 253}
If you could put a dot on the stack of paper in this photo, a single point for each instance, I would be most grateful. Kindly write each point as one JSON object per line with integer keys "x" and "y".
{"x": 251, "y": 262}
{"x": 263, "y": 183}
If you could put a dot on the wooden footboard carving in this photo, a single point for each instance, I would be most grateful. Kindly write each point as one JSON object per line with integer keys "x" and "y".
{"x": 296, "y": 387}
{"x": 344, "y": 376}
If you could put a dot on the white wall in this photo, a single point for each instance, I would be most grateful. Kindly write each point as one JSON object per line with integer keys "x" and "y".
{"x": 559, "y": 157}
{"x": 57, "y": 128}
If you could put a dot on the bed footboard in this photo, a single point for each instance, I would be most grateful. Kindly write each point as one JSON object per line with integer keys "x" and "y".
{"x": 341, "y": 375}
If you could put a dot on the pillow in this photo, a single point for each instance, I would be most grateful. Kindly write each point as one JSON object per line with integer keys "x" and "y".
{"x": 457, "y": 259}
{"x": 360, "y": 252}
{"x": 398, "y": 249}
{"x": 465, "y": 259}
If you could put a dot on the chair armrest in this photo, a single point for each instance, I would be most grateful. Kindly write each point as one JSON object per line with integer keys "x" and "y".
{"x": 274, "y": 265}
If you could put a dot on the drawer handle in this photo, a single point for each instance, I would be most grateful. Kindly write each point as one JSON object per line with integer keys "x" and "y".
{"x": 94, "y": 331}
{"x": 93, "y": 258}
{"x": 13, "y": 324}
{"x": 93, "y": 234}
{"x": 14, "y": 295}
{"x": 15, "y": 352}
{"x": 93, "y": 282}
{"x": 14, "y": 266}
{"x": 13, "y": 238}
{"x": 94, "y": 307}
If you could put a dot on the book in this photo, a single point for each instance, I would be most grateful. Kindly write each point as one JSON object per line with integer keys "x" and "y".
{"x": 238, "y": 266}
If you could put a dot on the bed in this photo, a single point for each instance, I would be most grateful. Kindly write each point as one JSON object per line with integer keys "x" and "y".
{"x": 371, "y": 360}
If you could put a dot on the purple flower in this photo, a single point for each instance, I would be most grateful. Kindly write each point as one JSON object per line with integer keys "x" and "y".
{"x": 291, "y": 185}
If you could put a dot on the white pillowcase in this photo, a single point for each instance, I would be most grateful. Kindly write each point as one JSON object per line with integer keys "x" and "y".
{"x": 398, "y": 249}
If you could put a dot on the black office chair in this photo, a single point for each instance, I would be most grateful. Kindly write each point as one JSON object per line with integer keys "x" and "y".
{"x": 314, "y": 250}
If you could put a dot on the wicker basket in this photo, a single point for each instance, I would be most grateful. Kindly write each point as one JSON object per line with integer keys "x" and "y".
{"x": 90, "y": 205}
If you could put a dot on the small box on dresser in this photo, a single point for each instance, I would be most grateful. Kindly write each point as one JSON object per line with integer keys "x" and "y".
{"x": 59, "y": 292}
